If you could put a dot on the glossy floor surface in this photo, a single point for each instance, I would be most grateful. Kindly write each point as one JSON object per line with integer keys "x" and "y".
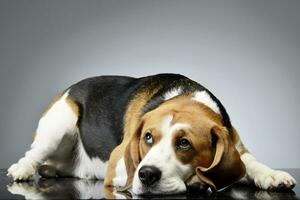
{"x": 70, "y": 188}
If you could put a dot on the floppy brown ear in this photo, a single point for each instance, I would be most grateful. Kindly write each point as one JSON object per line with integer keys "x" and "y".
{"x": 134, "y": 147}
{"x": 132, "y": 156}
{"x": 226, "y": 167}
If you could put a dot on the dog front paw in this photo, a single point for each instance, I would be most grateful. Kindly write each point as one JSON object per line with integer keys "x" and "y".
{"x": 23, "y": 170}
{"x": 275, "y": 179}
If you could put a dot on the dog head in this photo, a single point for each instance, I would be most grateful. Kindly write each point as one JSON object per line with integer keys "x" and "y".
{"x": 176, "y": 141}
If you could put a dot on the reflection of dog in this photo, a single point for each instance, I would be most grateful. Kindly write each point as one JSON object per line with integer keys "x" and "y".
{"x": 68, "y": 188}
{"x": 64, "y": 188}
{"x": 158, "y": 133}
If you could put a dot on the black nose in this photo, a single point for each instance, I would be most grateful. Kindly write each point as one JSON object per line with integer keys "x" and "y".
{"x": 149, "y": 175}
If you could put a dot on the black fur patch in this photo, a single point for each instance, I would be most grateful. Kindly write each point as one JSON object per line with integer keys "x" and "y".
{"x": 102, "y": 101}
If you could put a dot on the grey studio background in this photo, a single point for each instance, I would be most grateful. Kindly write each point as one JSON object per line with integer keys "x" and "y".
{"x": 246, "y": 52}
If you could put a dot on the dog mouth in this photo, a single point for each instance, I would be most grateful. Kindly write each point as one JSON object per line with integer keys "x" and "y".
{"x": 160, "y": 189}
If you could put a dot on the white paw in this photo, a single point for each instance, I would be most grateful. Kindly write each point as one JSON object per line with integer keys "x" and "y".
{"x": 23, "y": 170}
{"x": 275, "y": 179}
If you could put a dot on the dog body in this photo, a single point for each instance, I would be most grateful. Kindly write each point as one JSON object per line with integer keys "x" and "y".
{"x": 156, "y": 134}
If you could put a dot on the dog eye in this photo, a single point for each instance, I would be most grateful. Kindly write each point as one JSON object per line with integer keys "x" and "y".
{"x": 183, "y": 144}
{"x": 148, "y": 138}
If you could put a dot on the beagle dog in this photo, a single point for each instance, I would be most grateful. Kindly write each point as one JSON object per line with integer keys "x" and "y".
{"x": 155, "y": 134}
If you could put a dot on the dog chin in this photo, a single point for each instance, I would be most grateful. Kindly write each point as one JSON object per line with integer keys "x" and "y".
{"x": 160, "y": 189}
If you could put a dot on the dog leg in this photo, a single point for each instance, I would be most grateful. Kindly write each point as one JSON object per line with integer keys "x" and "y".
{"x": 263, "y": 176}
{"x": 59, "y": 120}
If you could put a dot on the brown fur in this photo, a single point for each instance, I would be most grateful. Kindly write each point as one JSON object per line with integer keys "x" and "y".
{"x": 227, "y": 166}
{"x": 73, "y": 106}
